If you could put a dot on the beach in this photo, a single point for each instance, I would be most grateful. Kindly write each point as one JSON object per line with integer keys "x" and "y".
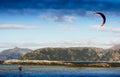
{"x": 63, "y": 63}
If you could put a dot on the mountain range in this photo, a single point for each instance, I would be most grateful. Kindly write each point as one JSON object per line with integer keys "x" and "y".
{"x": 63, "y": 54}
{"x": 74, "y": 54}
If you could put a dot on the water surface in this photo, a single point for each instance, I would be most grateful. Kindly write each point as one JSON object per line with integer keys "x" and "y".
{"x": 57, "y": 71}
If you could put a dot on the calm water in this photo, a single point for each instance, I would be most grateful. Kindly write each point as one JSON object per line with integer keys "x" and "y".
{"x": 57, "y": 71}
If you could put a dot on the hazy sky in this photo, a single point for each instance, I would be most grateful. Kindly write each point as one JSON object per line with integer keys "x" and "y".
{"x": 58, "y": 23}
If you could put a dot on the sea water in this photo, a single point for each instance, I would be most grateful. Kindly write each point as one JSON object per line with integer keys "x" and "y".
{"x": 57, "y": 71}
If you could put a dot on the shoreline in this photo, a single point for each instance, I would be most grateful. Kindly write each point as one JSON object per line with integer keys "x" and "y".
{"x": 63, "y": 63}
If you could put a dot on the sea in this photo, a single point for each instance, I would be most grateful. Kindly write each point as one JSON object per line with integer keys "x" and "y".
{"x": 57, "y": 71}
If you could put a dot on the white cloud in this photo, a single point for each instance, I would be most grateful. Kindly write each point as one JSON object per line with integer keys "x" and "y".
{"x": 69, "y": 28}
{"x": 63, "y": 43}
{"x": 15, "y": 26}
{"x": 106, "y": 29}
{"x": 57, "y": 18}
{"x": 69, "y": 19}
{"x": 115, "y": 22}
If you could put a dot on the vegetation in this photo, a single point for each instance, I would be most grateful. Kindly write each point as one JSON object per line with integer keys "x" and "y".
{"x": 73, "y": 54}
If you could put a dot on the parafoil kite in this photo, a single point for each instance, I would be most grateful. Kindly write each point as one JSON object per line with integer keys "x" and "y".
{"x": 103, "y": 17}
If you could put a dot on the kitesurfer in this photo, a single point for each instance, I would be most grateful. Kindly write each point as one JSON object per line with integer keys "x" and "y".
{"x": 20, "y": 68}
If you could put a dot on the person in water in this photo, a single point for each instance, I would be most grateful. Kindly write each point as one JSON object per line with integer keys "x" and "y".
{"x": 20, "y": 68}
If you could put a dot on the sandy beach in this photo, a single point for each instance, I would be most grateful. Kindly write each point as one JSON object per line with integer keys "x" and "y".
{"x": 63, "y": 63}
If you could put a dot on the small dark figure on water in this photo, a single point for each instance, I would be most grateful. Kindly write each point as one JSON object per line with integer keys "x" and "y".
{"x": 20, "y": 68}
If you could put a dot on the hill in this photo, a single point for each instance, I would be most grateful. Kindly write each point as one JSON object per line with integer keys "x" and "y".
{"x": 74, "y": 54}
{"x": 14, "y": 53}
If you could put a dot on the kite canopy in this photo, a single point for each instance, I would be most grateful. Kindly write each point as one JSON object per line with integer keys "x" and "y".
{"x": 103, "y": 17}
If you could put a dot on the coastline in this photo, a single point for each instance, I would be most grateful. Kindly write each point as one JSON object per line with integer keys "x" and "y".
{"x": 63, "y": 63}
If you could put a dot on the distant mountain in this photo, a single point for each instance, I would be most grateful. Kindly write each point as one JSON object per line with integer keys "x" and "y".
{"x": 116, "y": 47}
{"x": 74, "y": 54}
{"x": 14, "y": 53}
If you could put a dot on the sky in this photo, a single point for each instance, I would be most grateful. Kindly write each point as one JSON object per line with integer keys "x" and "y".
{"x": 58, "y": 23}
